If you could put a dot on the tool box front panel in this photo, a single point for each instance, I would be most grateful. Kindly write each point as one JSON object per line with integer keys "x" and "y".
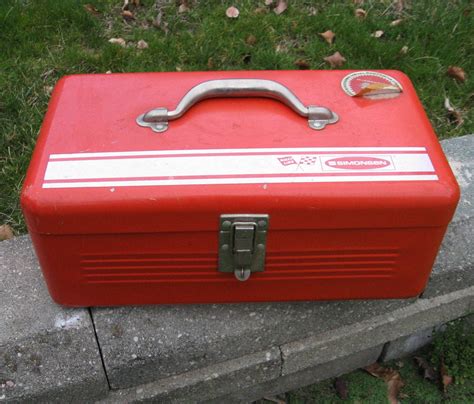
{"x": 108, "y": 270}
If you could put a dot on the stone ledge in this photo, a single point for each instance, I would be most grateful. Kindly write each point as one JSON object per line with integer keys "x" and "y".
{"x": 48, "y": 353}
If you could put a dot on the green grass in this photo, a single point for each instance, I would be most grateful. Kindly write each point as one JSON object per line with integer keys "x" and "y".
{"x": 42, "y": 40}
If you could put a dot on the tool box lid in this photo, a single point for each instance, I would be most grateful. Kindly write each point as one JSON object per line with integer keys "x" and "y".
{"x": 104, "y": 164}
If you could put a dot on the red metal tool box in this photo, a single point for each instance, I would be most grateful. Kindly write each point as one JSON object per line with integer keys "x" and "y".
{"x": 236, "y": 186}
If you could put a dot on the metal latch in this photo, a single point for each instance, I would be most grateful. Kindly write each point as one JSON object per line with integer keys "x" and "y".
{"x": 242, "y": 244}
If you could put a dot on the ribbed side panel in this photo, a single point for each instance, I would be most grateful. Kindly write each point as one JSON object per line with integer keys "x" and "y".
{"x": 196, "y": 267}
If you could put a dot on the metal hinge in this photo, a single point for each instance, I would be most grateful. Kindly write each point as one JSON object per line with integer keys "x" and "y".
{"x": 242, "y": 244}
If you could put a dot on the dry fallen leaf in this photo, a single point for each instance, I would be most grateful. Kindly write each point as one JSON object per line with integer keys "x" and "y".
{"x": 232, "y": 12}
{"x": 391, "y": 377}
{"x": 127, "y": 15}
{"x": 360, "y": 13}
{"x": 429, "y": 371}
{"x": 141, "y": 44}
{"x": 394, "y": 386}
{"x": 394, "y": 23}
{"x": 6, "y": 232}
{"x": 446, "y": 379}
{"x": 281, "y": 6}
{"x": 251, "y": 40}
{"x": 126, "y": 4}
{"x": 377, "y": 34}
{"x": 378, "y": 89}
{"x": 312, "y": 11}
{"x": 183, "y": 8}
{"x": 341, "y": 388}
{"x": 108, "y": 72}
{"x": 48, "y": 90}
{"x": 260, "y": 10}
{"x": 335, "y": 60}
{"x": 404, "y": 50}
{"x": 328, "y": 36}
{"x": 268, "y": 2}
{"x": 399, "y": 5}
{"x": 302, "y": 64}
{"x": 118, "y": 41}
{"x": 457, "y": 72}
{"x": 453, "y": 113}
{"x": 91, "y": 9}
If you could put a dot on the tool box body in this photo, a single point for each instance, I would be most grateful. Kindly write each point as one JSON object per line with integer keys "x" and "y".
{"x": 120, "y": 214}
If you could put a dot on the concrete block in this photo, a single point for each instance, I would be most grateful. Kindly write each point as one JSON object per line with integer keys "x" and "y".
{"x": 304, "y": 377}
{"x": 47, "y": 353}
{"x": 204, "y": 385}
{"x": 405, "y": 346}
{"x": 143, "y": 344}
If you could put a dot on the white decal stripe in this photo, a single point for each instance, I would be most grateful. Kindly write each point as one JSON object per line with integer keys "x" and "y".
{"x": 224, "y": 181}
{"x": 240, "y": 151}
{"x": 231, "y": 165}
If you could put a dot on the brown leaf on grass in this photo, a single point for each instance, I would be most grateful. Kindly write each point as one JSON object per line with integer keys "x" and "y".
{"x": 183, "y": 7}
{"x": 394, "y": 23}
{"x": 328, "y": 36}
{"x": 335, "y": 60}
{"x": 126, "y": 4}
{"x": 391, "y": 377}
{"x": 6, "y": 232}
{"x": 446, "y": 379}
{"x": 399, "y": 5}
{"x": 360, "y": 13}
{"x": 108, "y": 72}
{"x": 394, "y": 385}
{"x": 91, "y": 9}
{"x": 118, "y": 41}
{"x": 251, "y": 40}
{"x": 377, "y": 34}
{"x": 404, "y": 50}
{"x": 268, "y": 2}
{"x": 302, "y": 64}
{"x": 260, "y": 10}
{"x": 48, "y": 90}
{"x": 341, "y": 388}
{"x": 127, "y": 15}
{"x": 312, "y": 11}
{"x": 159, "y": 23}
{"x": 429, "y": 371}
{"x": 232, "y": 12}
{"x": 457, "y": 72}
{"x": 141, "y": 44}
{"x": 453, "y": 113}
{"x": 281, "y": 6}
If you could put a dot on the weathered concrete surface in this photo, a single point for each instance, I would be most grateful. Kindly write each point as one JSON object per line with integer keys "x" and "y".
{"x": 203, "y": 385}
{"x": 47, "y": 353}
{"x": 304, "y": 377}
{"x": 142, "y": 344}
{"x": 405, "y": 346}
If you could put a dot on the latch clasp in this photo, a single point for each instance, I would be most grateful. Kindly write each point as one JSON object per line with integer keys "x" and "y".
{"x": 242, "y": 244}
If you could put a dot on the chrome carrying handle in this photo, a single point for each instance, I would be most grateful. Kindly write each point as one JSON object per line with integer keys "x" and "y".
{"x": 318, "y": 117}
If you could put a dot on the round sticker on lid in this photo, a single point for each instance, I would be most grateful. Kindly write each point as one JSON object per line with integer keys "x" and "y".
{"x": 370, "y": 84}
